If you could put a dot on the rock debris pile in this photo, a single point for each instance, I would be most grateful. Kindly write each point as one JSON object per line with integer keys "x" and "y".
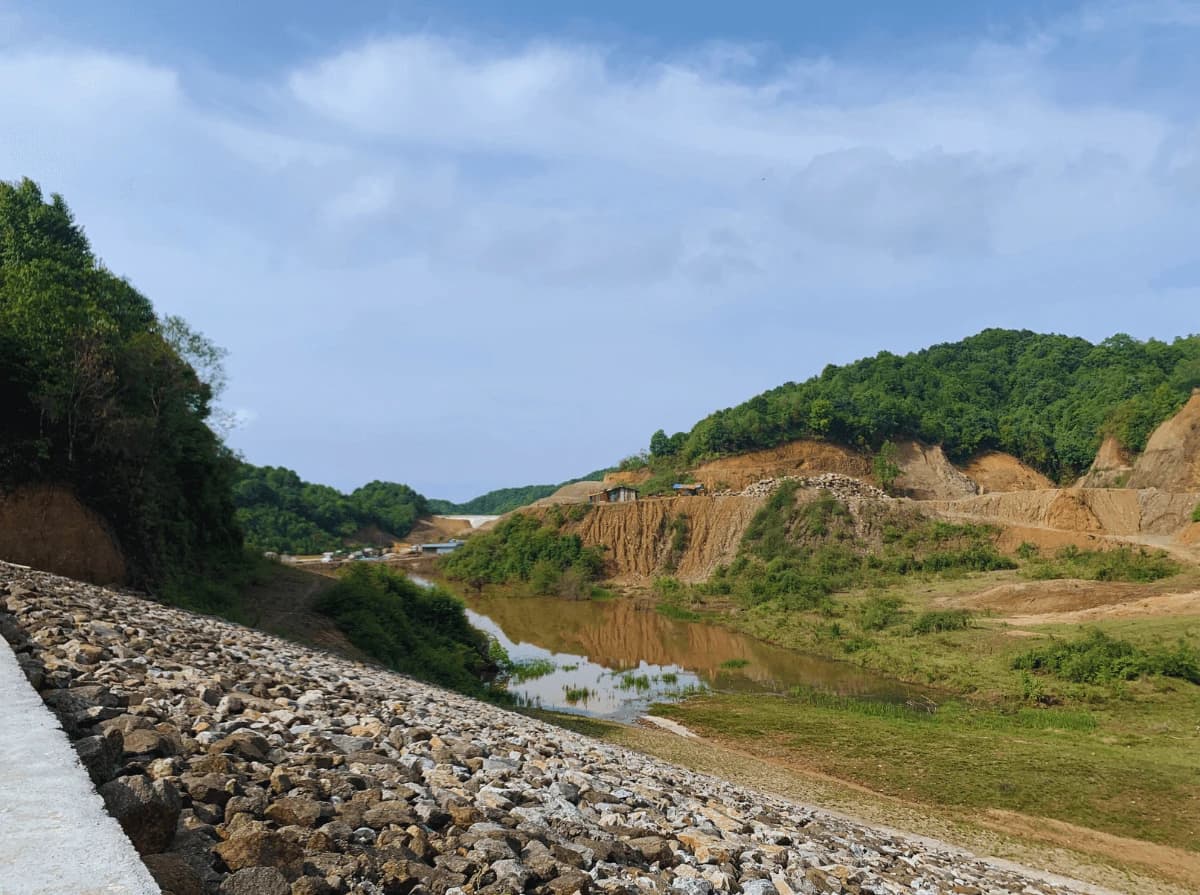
{"x": 240, "y": 764}
{"x": 843, "y": 487}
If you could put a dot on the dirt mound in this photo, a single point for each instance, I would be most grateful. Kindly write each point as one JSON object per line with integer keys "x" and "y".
{"x": 48, "y": 528}
{"x": 1110, "y": 511}
{"x": 1190, "y": 536}
{"x": 794, "y": 458}
{"x": 926, "y": 474}
{"x": 998, "y": 471}
{"x": 638, "y": 536}
{"x": 1063, "y": 595}
{"x": 1111, "y": 469}
{"x": 433, "y": 529}
{"x": 1171, "y": 460}
{"x": 576, "y": 492}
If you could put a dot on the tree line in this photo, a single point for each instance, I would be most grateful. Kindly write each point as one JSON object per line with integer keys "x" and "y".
{"x": 1047, "y": 399}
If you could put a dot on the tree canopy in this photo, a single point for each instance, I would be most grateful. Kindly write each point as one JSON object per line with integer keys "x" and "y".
{"x": 103, "y": 396}
{"x": 1048, "y": 399}
{"x": 282, "y": 512}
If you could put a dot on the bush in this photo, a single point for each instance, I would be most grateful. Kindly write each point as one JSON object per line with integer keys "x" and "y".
{"x": 878, "y": 613}
{"x": 514, "y": 548}
{"x": 1122, "y": 564}
{"x": 419, "y": 631}
{"x": 1196, "y": 513}
{"x": 1098, "y": 658}
{"x": 938, "y": 621}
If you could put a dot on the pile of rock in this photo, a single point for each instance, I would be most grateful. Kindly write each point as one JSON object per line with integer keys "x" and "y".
{"x": 244, "y": 765}
{"x": 843, "y": 487}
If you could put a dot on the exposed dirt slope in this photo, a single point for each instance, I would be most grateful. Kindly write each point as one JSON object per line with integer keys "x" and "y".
{"x": 926, "y": 474}
{"x": 637, "y": 536}
{"x": 793, "y": 458}
{"x": 1111, "y": 469}
{"x": 1109, "y": 511}
{"x": 630, "y": 477}
{"x": 1171, "y": 460}
{"x": 576, "y": 492}
{"x": 46, "y": 527}
{"x": 998, "y": 471}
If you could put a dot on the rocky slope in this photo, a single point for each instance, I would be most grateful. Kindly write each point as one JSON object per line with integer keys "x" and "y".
{"x": 244, "y": 765}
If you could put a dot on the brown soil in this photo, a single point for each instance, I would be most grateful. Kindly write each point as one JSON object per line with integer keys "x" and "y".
{"x": 433, "y": 529}
{"x": 997, "y": 471}
{"x": 1158, "y": 606}
{"x": 46, "y": 527}
{"x": 577, "y": 492}
{"x": 1171, "y": 460}
{"x": 1190, "y": 536}
{"x": 631, "y": 477}
{"x": 283, "y": 606}
{"x": 1098, "y": 510}
{"x": 1059, "y": 595}
{"x": 794, "y": 458}
{"x": 1111, "y": 468}
{"x": 926, "y": 474}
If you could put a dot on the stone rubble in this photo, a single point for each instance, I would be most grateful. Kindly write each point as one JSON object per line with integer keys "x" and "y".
{"x": 843, "y": 487}
{"x": 241, "y": 764}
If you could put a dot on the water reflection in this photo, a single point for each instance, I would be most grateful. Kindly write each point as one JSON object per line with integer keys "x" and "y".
{"x": 614, "y": 658}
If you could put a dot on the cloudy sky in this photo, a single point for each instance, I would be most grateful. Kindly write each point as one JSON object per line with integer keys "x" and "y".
{"x": 467, "y": 245}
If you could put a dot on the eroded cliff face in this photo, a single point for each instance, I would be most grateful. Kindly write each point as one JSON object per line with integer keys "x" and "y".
{"x": 1111, "y": 511}
{"x": 638, "y": 536}
{"x": 794, "y": 458}
{"x": 46, "y": 527}
{"x": 1171, "y": 460}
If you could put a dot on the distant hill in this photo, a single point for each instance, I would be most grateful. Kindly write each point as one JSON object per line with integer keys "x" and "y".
{"x": 280, "y": 511}
{"x": 1047, "y": 399}
{"x": 503, "y": 500}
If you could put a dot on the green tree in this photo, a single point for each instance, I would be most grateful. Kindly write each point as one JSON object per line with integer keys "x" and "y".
{"x": 885, "y": 467}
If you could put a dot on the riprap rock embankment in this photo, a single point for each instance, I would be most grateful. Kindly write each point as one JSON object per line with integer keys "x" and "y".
{"x": 242, "y": 764}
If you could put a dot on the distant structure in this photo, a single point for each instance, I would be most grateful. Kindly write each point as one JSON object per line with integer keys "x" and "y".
{"x": 688, "y": 489}
{"x": 615, "y": 494}
{"x": 438, "y": 549}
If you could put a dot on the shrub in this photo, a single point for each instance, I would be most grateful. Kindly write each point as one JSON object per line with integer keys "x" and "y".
{"x": 1122, "y": 564}
{"x": 935, "y": 622}
{"x": 1196, "y": 513}
{"x": 1027, "y": 550}
{"x": 419, "y": 631}
{"x": 1098, "y": 658}
{"x": 878, "y": 613}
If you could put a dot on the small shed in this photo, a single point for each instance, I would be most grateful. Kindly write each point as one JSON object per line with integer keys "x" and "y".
{"x": 615, "y": 494}
{"x": 688, "y": 489}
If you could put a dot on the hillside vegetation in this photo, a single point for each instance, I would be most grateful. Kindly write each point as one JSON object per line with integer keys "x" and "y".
{"x": 1047, "y": 399}
{"x": 102, "y": 395}
{"x": 280, "y": 511}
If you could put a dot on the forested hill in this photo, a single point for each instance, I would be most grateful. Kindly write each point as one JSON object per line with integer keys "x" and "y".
{"x": 502, "y": 500}
{"x": 1048, "y": 399}
{"x": 280, "y": 511}
{"x": 99, "y": 394}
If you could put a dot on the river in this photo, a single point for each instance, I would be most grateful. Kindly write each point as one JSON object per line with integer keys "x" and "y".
{"x": 615, "y": 658}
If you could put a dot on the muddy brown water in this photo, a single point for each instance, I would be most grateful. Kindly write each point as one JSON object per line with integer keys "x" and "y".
{"x": 615, "y": 658}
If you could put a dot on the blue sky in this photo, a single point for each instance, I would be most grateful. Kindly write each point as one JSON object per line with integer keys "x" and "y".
{"x": 473, "y": 245}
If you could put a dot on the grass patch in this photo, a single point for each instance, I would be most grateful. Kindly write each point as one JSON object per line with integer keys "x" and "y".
{"x": 1128, "y": 771}
{"x": 678, "y": 613}
{"x": 530, "y": 670}
{"x": 575, "y": 695}
{"x": 1098, "y": 658}
{"x": 735, "y": 663}
{"x": 1122, "y": 564}
{"x": 938, "y": 621}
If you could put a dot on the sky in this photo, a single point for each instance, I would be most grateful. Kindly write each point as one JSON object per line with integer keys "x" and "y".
{"x": 471, "y": 245}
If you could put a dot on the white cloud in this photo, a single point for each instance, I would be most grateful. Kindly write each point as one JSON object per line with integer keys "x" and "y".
{"x": 480, "y": 223}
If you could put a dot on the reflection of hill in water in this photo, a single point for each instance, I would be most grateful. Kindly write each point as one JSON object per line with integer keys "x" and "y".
{"x": 618, "y": 634}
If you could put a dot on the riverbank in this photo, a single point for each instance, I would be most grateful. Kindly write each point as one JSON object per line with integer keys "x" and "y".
{"x": 1060, "y": 763}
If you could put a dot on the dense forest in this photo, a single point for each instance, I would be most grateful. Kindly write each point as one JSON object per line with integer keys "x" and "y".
{"x": 1048, "y": 399}
{"x": 102, "y": 395}
{"x": 280, "y": 511}
{"x": 504, "y": 500}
